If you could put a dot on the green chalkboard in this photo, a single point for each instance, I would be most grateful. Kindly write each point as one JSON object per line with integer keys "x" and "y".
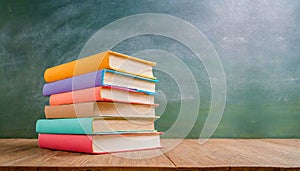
{"x": 258, "y": 44}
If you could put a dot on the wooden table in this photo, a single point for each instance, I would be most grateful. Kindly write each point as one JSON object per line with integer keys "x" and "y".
{"x": 215, "y": 154}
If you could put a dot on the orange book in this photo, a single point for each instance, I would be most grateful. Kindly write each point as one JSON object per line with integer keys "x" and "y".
{"x": 102, "y": 93}
{"x": 94, "y": 109}
{"x": 105, "y": 60}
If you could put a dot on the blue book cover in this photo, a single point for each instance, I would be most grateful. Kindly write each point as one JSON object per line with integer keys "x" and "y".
{"x": 89, "y": 126}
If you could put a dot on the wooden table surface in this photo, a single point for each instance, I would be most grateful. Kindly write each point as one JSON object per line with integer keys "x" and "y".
{"x": 215, "y": 154}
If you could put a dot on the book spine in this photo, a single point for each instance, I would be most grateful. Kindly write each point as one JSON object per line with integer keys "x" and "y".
{"x": 89, "y": 80}
{"x": 75, "y": 143}
{"x": 78, "y": 67}
{"x": 65, "y": 126}
{"x": 60, "y": 72}
{"x": 78, "y": 110}
{"x": 85, "y": 95}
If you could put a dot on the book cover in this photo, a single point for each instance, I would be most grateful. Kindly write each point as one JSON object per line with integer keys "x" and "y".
{"x": 100, "y": 144}
{"x": 105, "y": 60}
{"x": 93, "y": 109}
{"x": 102, "y": 93}
{"x": 95, "y": 125}
{"x": 101, "y": 78}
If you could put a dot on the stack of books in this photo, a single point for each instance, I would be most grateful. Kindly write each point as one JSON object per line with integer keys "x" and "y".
{"x": 103, "y": 103}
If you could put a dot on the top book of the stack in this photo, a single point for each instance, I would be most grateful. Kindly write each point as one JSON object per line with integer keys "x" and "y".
{"x": 105, "y": 60}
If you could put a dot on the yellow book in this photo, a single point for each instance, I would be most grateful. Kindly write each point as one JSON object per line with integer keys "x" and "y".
{"x": 105, "y": 60}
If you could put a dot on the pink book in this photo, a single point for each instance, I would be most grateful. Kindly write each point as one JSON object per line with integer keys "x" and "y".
{"x": 102, "y": 93}
{"x": 101, "y": 144}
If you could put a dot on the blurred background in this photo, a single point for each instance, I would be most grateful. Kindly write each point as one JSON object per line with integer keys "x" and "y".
{"x": 258, "y": 42}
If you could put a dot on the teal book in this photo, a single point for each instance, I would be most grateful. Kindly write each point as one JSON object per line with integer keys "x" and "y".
{"x": 95, "y": 125}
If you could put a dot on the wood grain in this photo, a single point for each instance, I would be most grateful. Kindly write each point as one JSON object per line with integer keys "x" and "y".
{"x": 238, "y": 153}
{"x": 216, "y": 154}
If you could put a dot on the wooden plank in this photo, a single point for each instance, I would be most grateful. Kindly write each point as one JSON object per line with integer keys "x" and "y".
{"x": 17, "y": 168}
{"x": 236, "y": 153}
{"x": 285, "y": 142}
{"x": 26, "y": 153}
{"x": 216, "y": 154}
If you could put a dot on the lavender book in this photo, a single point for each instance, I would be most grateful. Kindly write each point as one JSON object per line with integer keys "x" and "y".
{"x": 101, "y": 78}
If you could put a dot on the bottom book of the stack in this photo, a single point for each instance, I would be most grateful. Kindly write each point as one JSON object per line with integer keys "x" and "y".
{"x": 101, "y": 144}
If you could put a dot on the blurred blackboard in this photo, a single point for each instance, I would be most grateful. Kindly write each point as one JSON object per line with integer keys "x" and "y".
{"x": 258, "y": 43}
